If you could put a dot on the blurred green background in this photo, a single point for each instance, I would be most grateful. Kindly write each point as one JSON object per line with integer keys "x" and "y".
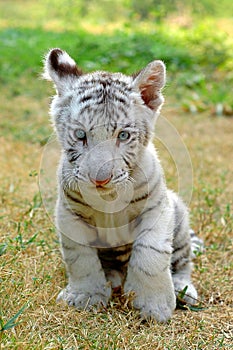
{"x": 192, "y": 37}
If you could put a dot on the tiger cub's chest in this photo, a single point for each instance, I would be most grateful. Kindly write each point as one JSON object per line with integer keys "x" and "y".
{"x": 115, "y": 258}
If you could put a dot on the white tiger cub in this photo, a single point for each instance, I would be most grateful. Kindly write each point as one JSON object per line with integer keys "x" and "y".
{"x": 104, "y": 123}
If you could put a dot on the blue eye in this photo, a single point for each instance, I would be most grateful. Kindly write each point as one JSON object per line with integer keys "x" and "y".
{"x": 80, "y": 134}
{"x": 123, "y": 135}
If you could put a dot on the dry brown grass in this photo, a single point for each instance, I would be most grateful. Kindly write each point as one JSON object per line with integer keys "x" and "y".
{"x": 32, "y": 272}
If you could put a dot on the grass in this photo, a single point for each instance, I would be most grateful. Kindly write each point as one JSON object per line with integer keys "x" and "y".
{"x": 198, "y": 103}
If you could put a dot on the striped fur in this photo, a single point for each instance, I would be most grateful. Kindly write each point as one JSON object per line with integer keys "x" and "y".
{"x": 111, "y": 191}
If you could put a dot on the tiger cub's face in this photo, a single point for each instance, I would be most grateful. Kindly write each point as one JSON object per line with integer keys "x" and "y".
{"x": 104, "y": 121}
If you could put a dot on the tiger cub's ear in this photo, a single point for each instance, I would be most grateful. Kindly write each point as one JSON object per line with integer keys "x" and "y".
{"x": 61, "y": 69}
{"x": 150, "y": 81}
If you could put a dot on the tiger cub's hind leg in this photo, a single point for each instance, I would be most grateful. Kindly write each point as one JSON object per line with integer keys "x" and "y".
{"x": 183, "y": 284}
{"x": 181, "y": 264}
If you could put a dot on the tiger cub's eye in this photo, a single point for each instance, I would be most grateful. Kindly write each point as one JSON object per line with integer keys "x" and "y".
{"x": 80, "y": 134}
{"x": 123, "y": 135}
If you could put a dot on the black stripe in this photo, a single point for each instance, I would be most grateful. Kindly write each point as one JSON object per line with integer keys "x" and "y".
{"x": 141, "y": 245}
{"x": 71, "y": 149}
{"x": 178, "y": 263}
{"x": 130, "y": 154}
{"x": 87, "y": 221}
{"x": 138, "y": 221}
{"x": 73, "y": 158}
{"x": 76, "y": 200}
{"x": 72, "y": 154}
{"x": 154, "y": 206}
{"x": 65, "y": 246}
{"x": 146, "y": 230}
{"x": 147, "y": 194}
{"x": 111, "y": 258}
{"x": 85, "y": 98}
{"x": 111, "y": 253}
{"x": 114, "y": 126}
{"x": 127, "y": 162}
{"x": 141, "y": 270}
{"x": 177, "y": 228}
{"x": 114, "y": 264}
{"x": 116, "y": 84}
{"x": 186, "y": 244}
{"x": 133, "y": 138}
{"x": 120, "y": 99}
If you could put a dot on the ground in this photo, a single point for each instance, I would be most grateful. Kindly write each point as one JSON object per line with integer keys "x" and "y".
{"x": 32, "y": 272}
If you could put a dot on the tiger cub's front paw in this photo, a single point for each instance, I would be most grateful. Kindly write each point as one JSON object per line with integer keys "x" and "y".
{"x": 85, "y": 300}
{"x": 159, "y": 307}
{"x": 156, "y": 303}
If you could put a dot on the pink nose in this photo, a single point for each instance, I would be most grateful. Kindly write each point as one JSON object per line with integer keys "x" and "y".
{"x": 100, "y": 183}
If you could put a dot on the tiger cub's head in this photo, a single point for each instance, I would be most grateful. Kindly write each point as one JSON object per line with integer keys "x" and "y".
{"x": 104, "y": 121}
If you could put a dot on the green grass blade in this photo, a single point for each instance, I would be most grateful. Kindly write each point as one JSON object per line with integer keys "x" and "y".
{"x": 11, "y": 323}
